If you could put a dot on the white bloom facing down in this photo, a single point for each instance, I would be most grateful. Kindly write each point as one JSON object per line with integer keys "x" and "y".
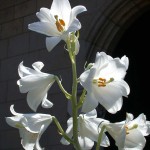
{"x": 36, "y": 83}
{"x": 104, "y": 83}
{"x": 129, "y": 134}
{"x": 57, "y": 22}
{"x": 31, "y": 127}
{"x": 88, "y": 130}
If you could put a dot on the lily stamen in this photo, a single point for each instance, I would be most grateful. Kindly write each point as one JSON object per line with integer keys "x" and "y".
{"x": 101, "y": 82}
{"x": 127, "y": 130}
{"x": 59, "y": 24}
{"x": 131, "y": 128}
{"x": 62, "y": 22}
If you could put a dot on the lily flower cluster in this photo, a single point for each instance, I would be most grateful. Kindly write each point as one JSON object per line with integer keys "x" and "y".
{"x": 102, "y": 81}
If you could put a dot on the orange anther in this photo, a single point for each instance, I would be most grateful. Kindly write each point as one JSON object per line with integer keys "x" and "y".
{"x": 101, "y": 85}
{"x": 62, "y": 22}
{"x": 102, "y": 79}
{"x": 59, "y": 27}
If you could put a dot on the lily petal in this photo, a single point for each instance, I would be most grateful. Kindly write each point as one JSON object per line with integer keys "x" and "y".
{"x": 37, "y": 145}
{"x": 46, "y": 103}
{"x": 44, "y": 28}
{"x": 91, "y": 114}
{"x": 73, "y": 20}
{"x": 62, "y": 9}
{"x": 123, "y": 86}
{"x": 32, "y": 122}
{"x": 23, "y": 71}
{"x": 28, "y": 138}
{"x": 86, "y": 78}
{"x": 51, "y": 42}
{"x": 116, "y": 106}
{"x": 74, "y": 26}
{"x": 113, "y": 69}
{"x": 85, "y": 143}
{"x": 129, "y": 117}
{"x": 38, "y": 65}
{"x": 125, "y": 61}
{"x": 36, "y": 96}
{"x": 110, "y": 98}
{"x": 13, "y": 111}
{"x": 13, "y": 121}
{"x": 91, "y": 131}
{"x": 118, "y": 132}
{"x": 32, "y": 82}
{"x": 135, "y": 139}
{"x": 77, "y": 10}
{"x": 100, "y": 61}
{"x": 90, "y": 103}
{"x": 45, "y": 16}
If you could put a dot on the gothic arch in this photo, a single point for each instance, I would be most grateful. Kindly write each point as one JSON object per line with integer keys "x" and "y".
{"x": 109, "y": 25}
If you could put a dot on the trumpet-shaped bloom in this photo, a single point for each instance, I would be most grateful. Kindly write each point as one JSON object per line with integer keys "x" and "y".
{"x": 104, "y": 83}
{"x": 129, "y": 134}
{"x": 36, "y": 83}
{"x": 57, "y": 22}
{"x": 88, "y": 130}
{"x": 31, "y": 127}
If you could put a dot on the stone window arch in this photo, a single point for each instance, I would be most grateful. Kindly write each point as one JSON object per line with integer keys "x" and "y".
{"x": 110, "y": 23}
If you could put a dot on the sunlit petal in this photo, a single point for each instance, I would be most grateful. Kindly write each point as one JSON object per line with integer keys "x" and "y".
{"x": 85, "y": 143}
{"x": 135, "y": 139}
{"x": 90, "y": 103}
{"x": 125, "y": 61}
{"x": 38, "y": 65}
{"x": 44, "y": 28}
{"x": 62, "y": 9}
{"x": 45, "y": 16}
{"x": 51, "y": 42}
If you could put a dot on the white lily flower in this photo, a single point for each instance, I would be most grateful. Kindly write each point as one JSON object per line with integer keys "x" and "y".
{"x": 57, "y": 22}
{"x": 31, "y": 127}
{"x": 88, "y": 130}
{"x": 104, "y": 83}
{"x": 129, "y": 134}
{"x": 36, "y": 83}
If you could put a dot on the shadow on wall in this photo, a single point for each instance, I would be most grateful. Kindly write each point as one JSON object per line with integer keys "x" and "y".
{"x": 135, "y": 44}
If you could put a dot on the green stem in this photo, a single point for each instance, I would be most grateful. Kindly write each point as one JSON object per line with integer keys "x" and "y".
{"x": 82, "y": 98}
{"x": 68, "y": 96}
{"x": 71, "y": 50}
{"x": 61, "y": 130}
{"x": 100, "y": 138}
{"x": 74, "y": 107}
